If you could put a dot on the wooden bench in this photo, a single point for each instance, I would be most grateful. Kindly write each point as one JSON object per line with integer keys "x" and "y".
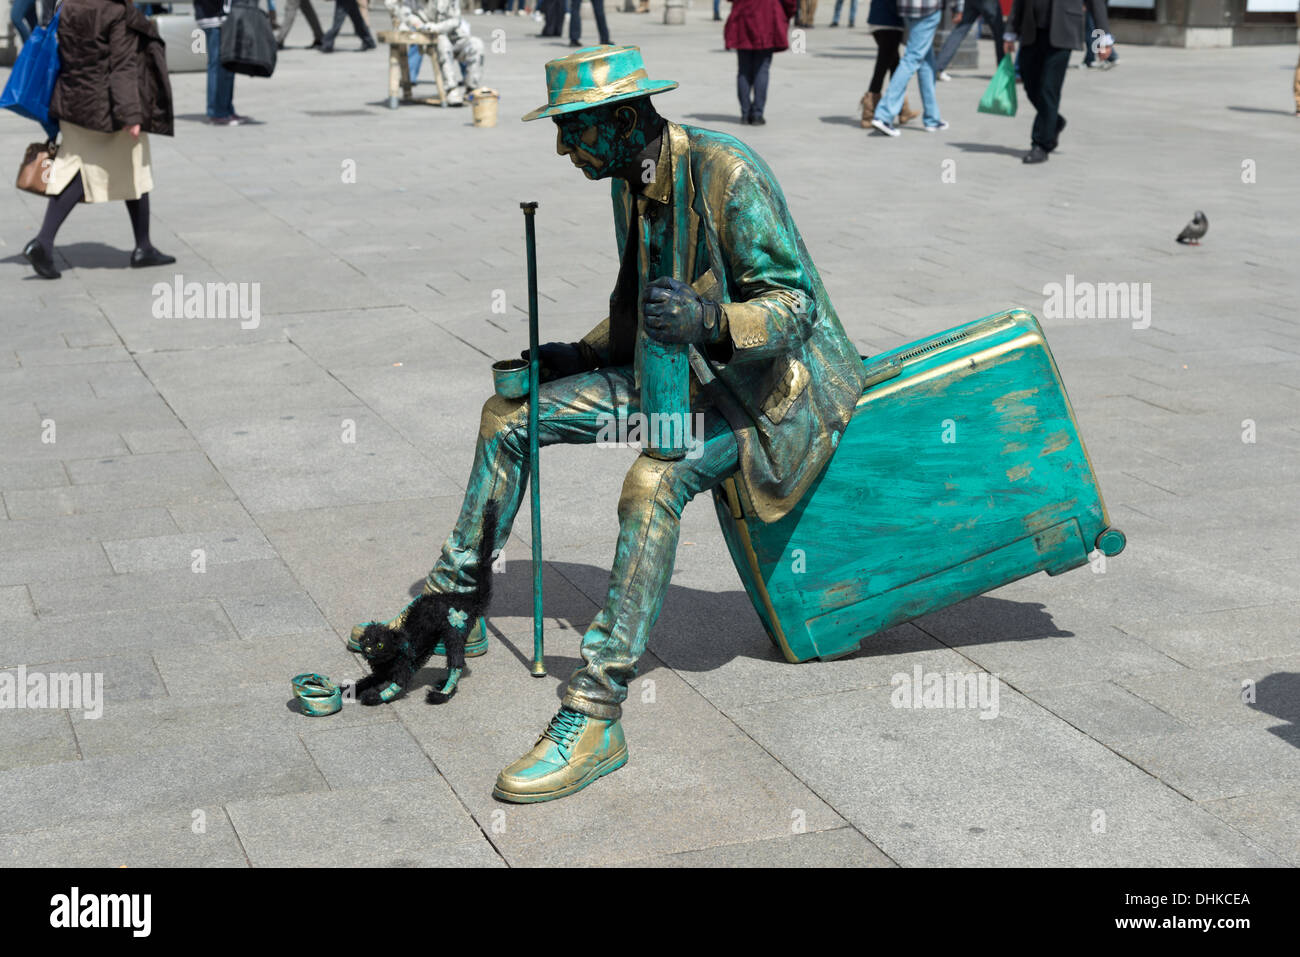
{"x": 399, "y": 71}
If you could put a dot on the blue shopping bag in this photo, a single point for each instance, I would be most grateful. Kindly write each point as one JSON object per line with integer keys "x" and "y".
{"x": 31, "y": 84}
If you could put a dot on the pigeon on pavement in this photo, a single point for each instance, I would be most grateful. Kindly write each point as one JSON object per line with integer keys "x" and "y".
{"x": 1193, "y": 231}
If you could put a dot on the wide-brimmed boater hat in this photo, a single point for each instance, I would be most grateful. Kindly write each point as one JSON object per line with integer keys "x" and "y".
{"x": 595, "y": 75}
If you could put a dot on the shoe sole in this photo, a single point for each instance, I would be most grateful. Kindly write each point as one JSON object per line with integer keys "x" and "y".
{"x": 608, "y": 766}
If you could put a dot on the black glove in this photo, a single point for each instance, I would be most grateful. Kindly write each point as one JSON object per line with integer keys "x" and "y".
{"x": 674, "y": 312}
{"x": 559, "y": 359}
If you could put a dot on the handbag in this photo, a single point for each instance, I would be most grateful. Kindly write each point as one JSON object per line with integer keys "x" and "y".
{"x": 247, "y": 40}
{"x": 1000, "y": 97}
{"x": 34, "y": 173}
{"x": 31, "y": 83}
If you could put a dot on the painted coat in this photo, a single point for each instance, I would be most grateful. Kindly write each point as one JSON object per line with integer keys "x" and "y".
{"x": 788, "y": 378}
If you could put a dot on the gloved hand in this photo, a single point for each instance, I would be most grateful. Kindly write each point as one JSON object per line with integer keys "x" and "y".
{"x": 559, "y": 359}
{"x": 674, "y": 312}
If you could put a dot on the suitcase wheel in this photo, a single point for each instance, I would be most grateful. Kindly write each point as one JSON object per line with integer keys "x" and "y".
{"x": 1111, "y": 542}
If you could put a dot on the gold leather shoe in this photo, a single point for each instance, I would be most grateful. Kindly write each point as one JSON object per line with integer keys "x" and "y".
{"x": 574, "y": 750}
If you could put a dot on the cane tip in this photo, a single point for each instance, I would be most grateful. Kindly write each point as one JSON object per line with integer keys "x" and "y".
{"x": 528, "y": 207}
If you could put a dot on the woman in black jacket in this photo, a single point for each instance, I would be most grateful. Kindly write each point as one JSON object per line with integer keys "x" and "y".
{"x": 112, "y": 92}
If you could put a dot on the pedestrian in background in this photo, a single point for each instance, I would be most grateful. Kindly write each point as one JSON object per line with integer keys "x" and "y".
{"x": 853, "y": 13}
{"x": 887, "y": 30}
{"x": 1049, "y": 30}
{"x": 756, "y": 29}
{"x": 987, "y": 10}
{"x": 922, "y": 18}
{"x": 209, "y": 15}
{"x": 22, "y": 14}
{"x": 111, "y": 93}
{"x": 807, "y": 10}
{"x": 575, "y": 21}
{"x": 553, "y": 13}
{"x": 350, "y": 10}
{"x": 1090, "y": 36}
{"x": 309, "y": 14}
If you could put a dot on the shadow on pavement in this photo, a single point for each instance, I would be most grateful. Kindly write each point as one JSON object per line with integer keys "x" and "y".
{"x": 1017, "y": 152}
{"x": 1260, "y": 109}
{"x": 717, "y": 118}
{"x": 1279, "y": 695}
{"x": 731, "y": 623}
{"x": 85, "y": 255}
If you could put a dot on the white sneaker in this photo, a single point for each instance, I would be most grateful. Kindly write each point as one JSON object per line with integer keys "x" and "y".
{"x": 941, "y": 125}
{"x": 943, "y": 76}
{"x": 884, "y": 127}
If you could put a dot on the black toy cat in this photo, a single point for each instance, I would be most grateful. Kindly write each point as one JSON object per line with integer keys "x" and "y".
{"x": 396, "y": 654}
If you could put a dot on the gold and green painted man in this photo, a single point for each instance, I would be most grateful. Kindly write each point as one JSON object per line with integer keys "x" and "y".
{"x": 710, "y": 260}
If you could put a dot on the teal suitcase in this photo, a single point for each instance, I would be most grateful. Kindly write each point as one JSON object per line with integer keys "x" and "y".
{"x": 961, "y": 470}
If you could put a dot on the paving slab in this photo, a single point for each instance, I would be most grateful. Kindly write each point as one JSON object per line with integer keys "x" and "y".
{"x": 841, "y": 847}
{"x": 174, "y": 837}
{"x": 108, "y": 787}
{"x": 944, "y": 786}
{"x": 405, "y": 824}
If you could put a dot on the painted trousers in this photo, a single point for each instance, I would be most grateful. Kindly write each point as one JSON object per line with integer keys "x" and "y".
{"x": 575, "y": 410}
{"x": 459, "y": 50}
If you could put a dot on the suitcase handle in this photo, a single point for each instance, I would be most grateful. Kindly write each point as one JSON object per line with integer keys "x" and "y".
{"x": 880, "y": 371}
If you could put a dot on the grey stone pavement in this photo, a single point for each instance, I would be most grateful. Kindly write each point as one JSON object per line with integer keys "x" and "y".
{"x": 1124, "y": 735}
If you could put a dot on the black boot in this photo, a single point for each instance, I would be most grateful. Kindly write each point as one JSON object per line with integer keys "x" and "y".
{"x": 41, "y": 259}
{"x": 149, "y": 257}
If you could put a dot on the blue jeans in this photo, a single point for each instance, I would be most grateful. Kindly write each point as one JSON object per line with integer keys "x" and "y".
{"x": 990, "y": 13}
{"x": 919, "y": 59}
{"x": 413, "y": 60}
{"x": 839, "y": 4}
{"x": 23, "y": 16}
{"x": 221, "y": 82}
{"x": 752, "y": 71}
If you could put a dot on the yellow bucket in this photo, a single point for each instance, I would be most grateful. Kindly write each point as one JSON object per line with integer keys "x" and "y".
{"x": 485, "y": 106}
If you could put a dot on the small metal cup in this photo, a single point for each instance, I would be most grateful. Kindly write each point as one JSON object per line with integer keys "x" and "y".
{"x": 510, "y": 377}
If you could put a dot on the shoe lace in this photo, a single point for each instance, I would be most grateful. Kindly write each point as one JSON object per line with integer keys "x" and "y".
{"x": 565, "y": 726}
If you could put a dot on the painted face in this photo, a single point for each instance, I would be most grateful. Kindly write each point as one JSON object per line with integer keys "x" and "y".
{"x": 599, "y": 141}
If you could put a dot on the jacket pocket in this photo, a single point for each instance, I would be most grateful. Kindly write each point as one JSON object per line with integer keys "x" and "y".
{"x": 792, "y": 383}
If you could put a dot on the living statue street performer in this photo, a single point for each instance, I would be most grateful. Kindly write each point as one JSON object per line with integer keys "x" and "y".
{"x": 711, "y": 258}
{"x": 455, "y": 46}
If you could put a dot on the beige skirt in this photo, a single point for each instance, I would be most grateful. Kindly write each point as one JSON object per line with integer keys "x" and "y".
{"x": 113, "y": 166}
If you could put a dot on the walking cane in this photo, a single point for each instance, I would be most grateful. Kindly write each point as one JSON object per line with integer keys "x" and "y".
{"x": 534, "y": 488}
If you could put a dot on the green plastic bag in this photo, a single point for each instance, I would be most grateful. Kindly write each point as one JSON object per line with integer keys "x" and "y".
{"x": 1000, "y": 97}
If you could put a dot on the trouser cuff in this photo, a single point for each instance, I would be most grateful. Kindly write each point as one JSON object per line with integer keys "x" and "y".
{"x": 604, "y": 710}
